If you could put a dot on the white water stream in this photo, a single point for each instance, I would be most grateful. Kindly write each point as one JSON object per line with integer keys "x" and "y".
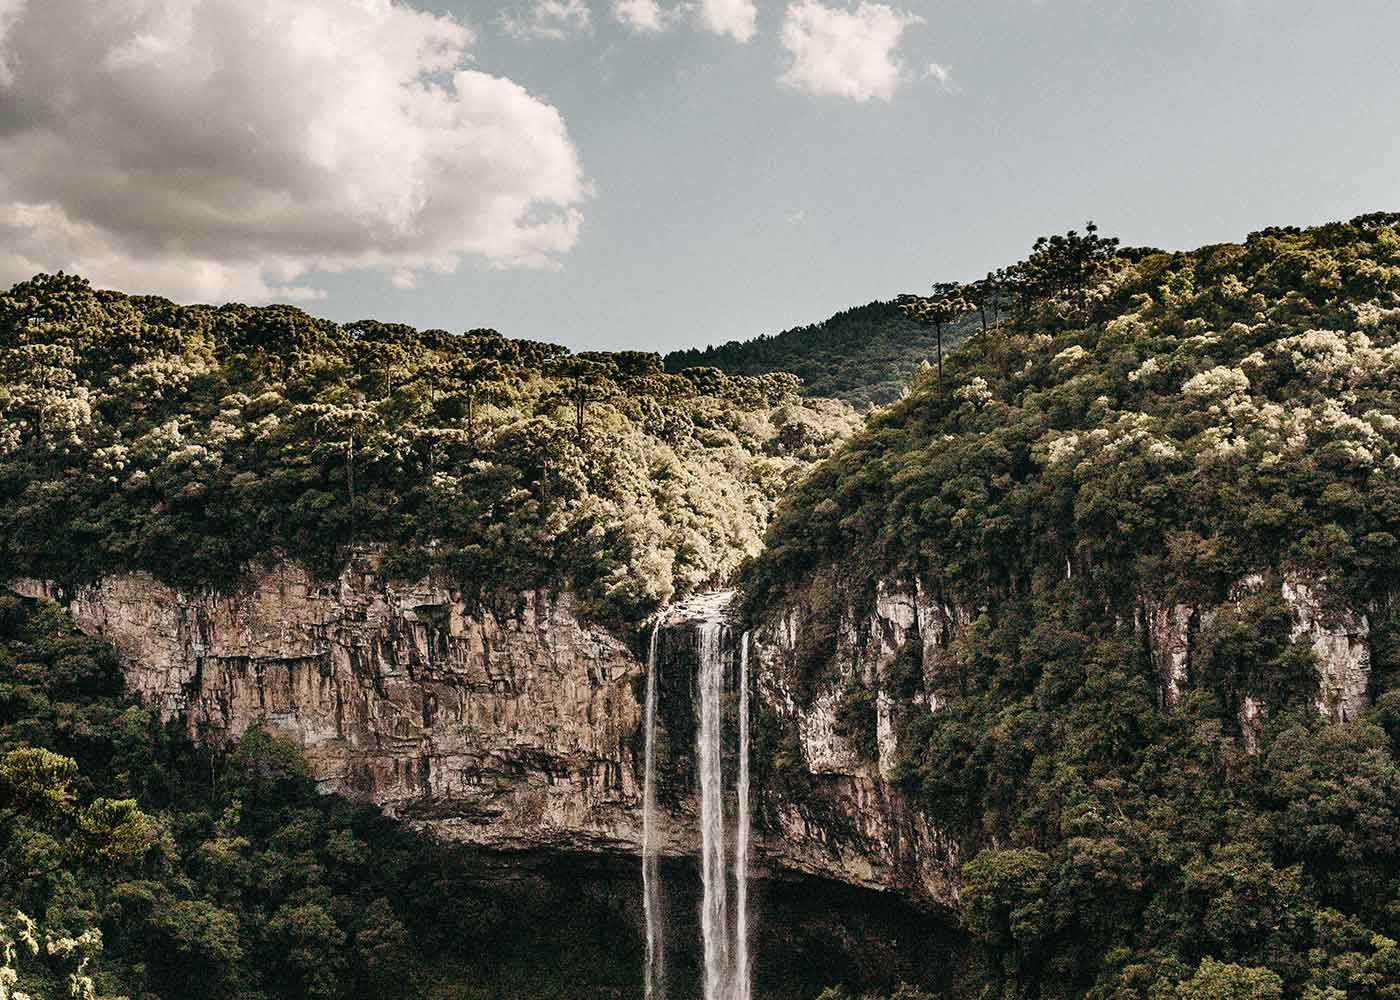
{"x": 741, "y": 987}
{"x": 655, "y": 983}
{"x": 727, "y": 974}
{"x": 714, "y": 904}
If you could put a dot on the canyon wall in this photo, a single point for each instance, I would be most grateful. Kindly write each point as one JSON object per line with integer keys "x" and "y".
{"x": 513, "y": 727}
{"x": 519, "y": 727}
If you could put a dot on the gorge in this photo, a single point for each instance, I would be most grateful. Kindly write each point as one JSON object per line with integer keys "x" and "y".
{"x": 1071, "y": 674}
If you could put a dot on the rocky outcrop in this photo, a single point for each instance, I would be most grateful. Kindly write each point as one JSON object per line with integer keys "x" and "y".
{"x": 515, "y": 727}
{"x": 1340, "y": 638}
{"x": 1337, "y": 635}
{"x": 509, "y": 727}
{"x": 851, "y": 808}
{"x": 518, "y": 727}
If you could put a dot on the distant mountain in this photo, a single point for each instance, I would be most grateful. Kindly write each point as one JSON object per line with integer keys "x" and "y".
{"x": 863, "y": 355}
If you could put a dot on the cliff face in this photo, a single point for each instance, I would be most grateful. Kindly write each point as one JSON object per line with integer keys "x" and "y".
{"x": 512, "y": 728}
{"x": 873, "y": 824}
{"x": 520, "y": 727}
{"x": 849, "y": 805}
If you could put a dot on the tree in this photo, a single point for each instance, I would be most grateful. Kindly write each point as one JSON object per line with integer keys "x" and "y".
{"x": 481, "y": 380}
{"x": 1066, "y": 267}
{"x": 586, "y": 378}
{"x": 42, "y": 828}
{"x": 944, "y": 306}
{"x": 43, "y": 831}
{"x": 305, "y": 944}
{"x": 1221, "y": 981}
{"x": 382, "y": 950}
{"x": 1008, "y": 910}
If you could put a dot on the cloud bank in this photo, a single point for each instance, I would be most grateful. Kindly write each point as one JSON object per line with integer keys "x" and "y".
{"x": 642, "y": 16}
{"x": 736, "y": 18}
{"x": 219, "y": 149}
{"x": 837, "y": 52}
{"x": 553, "y": 19}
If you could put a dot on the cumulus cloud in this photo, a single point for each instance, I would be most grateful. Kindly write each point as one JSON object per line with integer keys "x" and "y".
{"x": 232, "y": 148}
{"x": 736, "y": 18}
{"x": 548, "y": 19}
{"x": 640, "y": 15}
{"x": 836, "y": 52}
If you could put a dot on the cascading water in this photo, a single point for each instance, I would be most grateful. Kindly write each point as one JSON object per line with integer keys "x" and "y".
{"x": 714, "y": 906}
{"x": 727, "y": 974}
{"x": 741, "y": 984}
{"x": 655, "y": 982}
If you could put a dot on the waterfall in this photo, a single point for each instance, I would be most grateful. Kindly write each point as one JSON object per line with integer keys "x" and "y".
{"x": 727, "y": 974}
{"x": 714, "y": 906}
{"x": 742, "y": 988}
{"x": 655, "y": 982}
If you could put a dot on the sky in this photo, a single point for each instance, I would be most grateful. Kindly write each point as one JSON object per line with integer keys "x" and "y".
{"x": 649, "y": 174}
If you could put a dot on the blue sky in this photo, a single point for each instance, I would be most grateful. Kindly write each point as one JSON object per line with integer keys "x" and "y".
{"x": 692, "y": 195}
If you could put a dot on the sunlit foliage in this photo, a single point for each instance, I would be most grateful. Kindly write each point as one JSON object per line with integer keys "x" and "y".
{"x": 196, "y": 442}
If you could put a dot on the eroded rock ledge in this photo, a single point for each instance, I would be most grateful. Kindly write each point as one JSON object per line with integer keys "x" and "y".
{"x": 514, "y": 728}
{"x": 519, "y": 728}
{"x": 507, "y": 728}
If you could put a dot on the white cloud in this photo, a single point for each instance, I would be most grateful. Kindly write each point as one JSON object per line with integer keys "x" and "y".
{"x": 548, "y": 19}
{"x": 845, "y": 53}
{"x": 230, "y": 148}
{"x": 737, "y": 18}
{"x": 640, "y": 15}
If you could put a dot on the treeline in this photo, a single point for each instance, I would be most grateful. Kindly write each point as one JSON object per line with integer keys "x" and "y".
{"x": 197, "y": 442}
{"x": 865, "y": 356}
{"x": 137, "y": 863}
{"x": 1134, "y": 430}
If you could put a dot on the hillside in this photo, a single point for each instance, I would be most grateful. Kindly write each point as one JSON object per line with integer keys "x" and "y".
{"x": 1088, "y": 647}
{"x": 197, "y": 443}
{"x": 1148, "y": 530}
{"x": 865, "y": 355}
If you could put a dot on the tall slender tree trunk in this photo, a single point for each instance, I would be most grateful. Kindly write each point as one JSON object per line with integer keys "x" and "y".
{"x": 938, "y": 327}
{"x": 350, "y": 480}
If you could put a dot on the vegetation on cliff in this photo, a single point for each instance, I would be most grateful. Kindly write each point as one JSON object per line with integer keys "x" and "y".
{"x": 1143, "y": 429}
{"x": 192, "y": 442}
{"x": 234, "y": 878}
{"x": 865, "y": 355}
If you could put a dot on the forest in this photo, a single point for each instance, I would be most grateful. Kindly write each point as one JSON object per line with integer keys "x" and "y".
{"x": 1086, "y": 431}
{"x": 1135, "y": 426}
{"x": 197, "y": 442}
{"x": 864, "y": 356}
{"x": 137, "y": 862}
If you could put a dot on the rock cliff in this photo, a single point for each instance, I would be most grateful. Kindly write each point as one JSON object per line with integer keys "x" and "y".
{"x": 510, "y": 727}
{"x": 519, "y": 727}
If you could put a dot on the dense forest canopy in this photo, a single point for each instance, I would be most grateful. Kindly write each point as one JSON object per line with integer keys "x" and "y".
{"x": 1141, "y": 427}
{"x": 143, "y": 864}
{"x": 194, "y": 442}
{"x": 864, "y": 355}
{"x": 1118, "y": 427}
{"x": 1187, "y": 417}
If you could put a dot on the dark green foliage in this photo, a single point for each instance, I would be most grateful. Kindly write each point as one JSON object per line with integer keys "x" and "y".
{"x": 903, "y": 993}
{"x": 1135, "y": 431}
{"x": 198, "y": 443}
{"x": 864, "y": 355}
{"x": 249, "y": 883}
{"x": 855, "y": 720}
